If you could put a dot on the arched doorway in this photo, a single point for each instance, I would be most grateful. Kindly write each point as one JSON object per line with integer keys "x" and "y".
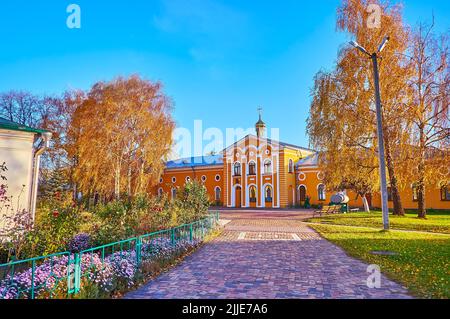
{"x": 238, "y": 197}
{"x": 301, "y": 195}
{"x": 268, "y": 196}
{"x": 252, "y": 196}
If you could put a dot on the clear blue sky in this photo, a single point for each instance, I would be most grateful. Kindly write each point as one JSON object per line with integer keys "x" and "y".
{"x": 218, "y": 59}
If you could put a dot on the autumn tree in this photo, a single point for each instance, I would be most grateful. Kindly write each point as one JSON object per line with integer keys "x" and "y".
{"x": 429, "y": 111}
{"x": 120, "y": 132}
{"x": 347, "y": 158}
{"x": 354, "y": 79}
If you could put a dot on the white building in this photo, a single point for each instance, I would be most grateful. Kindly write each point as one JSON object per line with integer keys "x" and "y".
{"x": 20, "y": 149}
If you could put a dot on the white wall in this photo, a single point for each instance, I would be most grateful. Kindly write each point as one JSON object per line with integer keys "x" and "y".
{"x": 16, "y": 150}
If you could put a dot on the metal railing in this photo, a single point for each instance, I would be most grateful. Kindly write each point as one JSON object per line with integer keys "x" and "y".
{"x": 61, "y": 275}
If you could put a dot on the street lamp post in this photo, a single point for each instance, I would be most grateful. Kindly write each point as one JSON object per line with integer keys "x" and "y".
{"x": 383, "y": 180}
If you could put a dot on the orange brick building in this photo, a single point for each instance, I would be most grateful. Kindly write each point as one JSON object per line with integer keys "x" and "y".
{"x": 256, "y": 172}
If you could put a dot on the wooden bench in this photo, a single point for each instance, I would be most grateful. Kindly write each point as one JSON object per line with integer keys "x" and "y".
{"x": 323, "y": 210}
{"x": 328, "y": 210}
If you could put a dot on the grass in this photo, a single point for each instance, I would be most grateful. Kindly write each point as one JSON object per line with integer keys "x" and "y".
{"x": 422, "y": 263}
{"x": 436, "y": 222}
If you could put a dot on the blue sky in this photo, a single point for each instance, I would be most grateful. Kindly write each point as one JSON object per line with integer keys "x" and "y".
{"x": 219, "y": 60}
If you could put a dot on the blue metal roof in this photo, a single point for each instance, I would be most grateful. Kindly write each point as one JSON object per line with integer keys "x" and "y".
{"x": 311, "y": 160}
{"x": 197, "y": 161}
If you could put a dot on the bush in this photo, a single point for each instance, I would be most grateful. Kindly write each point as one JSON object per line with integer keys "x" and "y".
{"x": 59, "y": 220}
{"x": 54, "y": 229}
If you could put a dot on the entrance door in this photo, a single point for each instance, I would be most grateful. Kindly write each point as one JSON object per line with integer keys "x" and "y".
{"x": 301, "y": 195}
{"x": 238, "y": 197}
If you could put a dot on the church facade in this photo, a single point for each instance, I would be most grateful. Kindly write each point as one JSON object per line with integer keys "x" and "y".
{"x": 257, "y": 172}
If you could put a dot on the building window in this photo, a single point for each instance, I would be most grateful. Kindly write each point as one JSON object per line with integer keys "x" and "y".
{"x": 414, "y": 193}
{"x": 252, "y": 193}
{"x": 174, "y": 193}
{"x": 291, "y": 166}
{"x": 218, "y": 194}
{"x": 445, "y": 193}
{"x": 188, "y": 179}
{"x": 252, "y": 168}
{"x": 389, "y": 191}
{"x": 174, "y": 179}
{"x": 321, "y": 192}
{"x": 204, "y": 178}
{"x": 161, "y": 180}
{"x": 268, "y": 194}
{"x": 217, "y": 178}
{"x": 268, "y": 167}
{"x": 160, "y": 192}
{"x": 237, "y": 169}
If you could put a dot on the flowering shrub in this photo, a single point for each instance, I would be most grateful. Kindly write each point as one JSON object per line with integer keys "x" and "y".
{"x": 97, "y": 272}
{"x": 124, "y": 266}
{"x": 79, "y": 242}
{"x": 46, "y": 279}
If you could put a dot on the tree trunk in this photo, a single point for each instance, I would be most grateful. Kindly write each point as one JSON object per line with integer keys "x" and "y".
{"x": 366, "y": 204}
{"x": 117, "y": 183}
{"x": 422, "y": 212}
{"x": 398, "y": 207}
{"x": 129, "y": 182}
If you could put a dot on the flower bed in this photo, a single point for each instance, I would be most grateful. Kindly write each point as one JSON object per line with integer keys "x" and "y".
{"x": 116, "y": 272}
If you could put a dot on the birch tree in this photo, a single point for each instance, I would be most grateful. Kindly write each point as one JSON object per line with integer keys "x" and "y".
{"x": 120, "y": 134}
{"x": 429, "y": 111}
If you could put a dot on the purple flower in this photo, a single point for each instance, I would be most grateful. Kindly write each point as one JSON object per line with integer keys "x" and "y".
{"x": 79, "y": 243}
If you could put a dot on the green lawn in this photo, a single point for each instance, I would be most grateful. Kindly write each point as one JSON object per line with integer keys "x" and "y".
{"x": 438, "y": 222}
{"x": 422, "y": 263}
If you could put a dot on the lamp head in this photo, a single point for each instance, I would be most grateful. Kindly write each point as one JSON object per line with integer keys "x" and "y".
{"x": 383, "y": 44}
{"x": 359, "y": 47}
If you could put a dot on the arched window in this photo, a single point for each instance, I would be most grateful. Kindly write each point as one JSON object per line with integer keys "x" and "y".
{"x": 268, "y": 167}
{"x": 160, "y": 192}
{"x": 218, "y": 194}
{"x": 414, "y": 193}
{"x": 188, "y": 179}
{"x": 445, "y": 193}
{"x": 252, "y": 193}
{"x": 321, "y": 192}
{"x": 291, "y": 166}
{"x": 237, "y": 169}
{"x": 268, "y": 193}
{"x": 174, "y": 193}
{"x": 251, "y": 168}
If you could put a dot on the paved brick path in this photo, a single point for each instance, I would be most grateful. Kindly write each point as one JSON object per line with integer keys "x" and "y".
{"x": 267, "y": 257}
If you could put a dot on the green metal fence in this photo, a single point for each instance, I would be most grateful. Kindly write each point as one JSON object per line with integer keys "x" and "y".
{"x": 60, "y": 275}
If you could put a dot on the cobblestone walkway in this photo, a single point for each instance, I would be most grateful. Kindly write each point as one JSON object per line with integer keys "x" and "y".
{"x": 267, "y": 258}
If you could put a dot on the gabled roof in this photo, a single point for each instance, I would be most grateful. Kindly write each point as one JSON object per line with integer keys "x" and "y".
{"x": 197, "y": 161}
{"x": 311, "y": 160}
{"x": 270, "y": 141}
{"x": 13, "y": 126}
